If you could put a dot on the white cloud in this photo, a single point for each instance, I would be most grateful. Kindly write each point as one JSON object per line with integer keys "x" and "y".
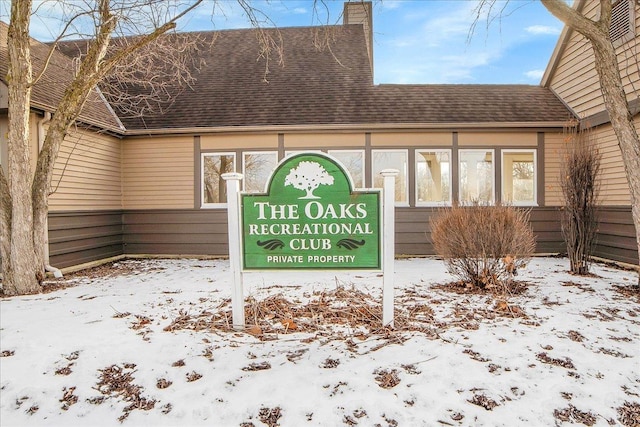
{"x": 299, "y": 10}
{"x": 534, "y": 74}
{"x": 542, "y": 29}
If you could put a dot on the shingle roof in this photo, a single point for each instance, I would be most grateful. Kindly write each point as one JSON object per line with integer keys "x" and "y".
{"x": 48, "y": 91}
{"x": 329, "y": 86}
{"x": 467, "y": 104}
{"x": 312, "y": 86}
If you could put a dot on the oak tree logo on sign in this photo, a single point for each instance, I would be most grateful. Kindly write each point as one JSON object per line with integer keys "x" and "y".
{"x": 329, "y": 225}
{"x": 307, "y": 177}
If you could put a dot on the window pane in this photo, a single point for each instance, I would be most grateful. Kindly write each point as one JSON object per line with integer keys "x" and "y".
{"x": 257, "y": 167}
{"x": 354, "y": 162}
{"x": 391, "y": 160}
{"x": 433, "y": 176}
{"x": 518, "y": 177}
{"x": 476, "y": 176}
{"x": 214, "y": 165}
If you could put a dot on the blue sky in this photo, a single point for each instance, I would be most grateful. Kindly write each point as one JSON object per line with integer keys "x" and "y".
{"x": 415, "y": 41}
{"x": 426, "y": 41}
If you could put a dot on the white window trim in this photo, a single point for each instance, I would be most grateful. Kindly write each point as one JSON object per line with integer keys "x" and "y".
{"x": 493, "y": 172}
{"x": 244, "y": 169}
{"x": 204, "y": 205}
{"x": 437, "y": 150}
{"x": 364, "y": 166}
{"x": 534, "y": 202}
{"x": 406, "y": 172}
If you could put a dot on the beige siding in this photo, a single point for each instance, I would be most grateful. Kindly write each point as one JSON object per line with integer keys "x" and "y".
{"x": 4, "y": 134}
{"x": 87, "y": 174}
{"x": 553, "y": 148}
{"x": 502, "y": 139}
{"x": 575, "y": 79}
{"x": 614, "y": 185}
{"x": 231, "y": 142}
{"x": 320, "y": 140}
{"x": 614, "y": 189}
{"x": 158, "y": 173}
{"x": 4, "y": 96}
{"x": 412, "y": 139}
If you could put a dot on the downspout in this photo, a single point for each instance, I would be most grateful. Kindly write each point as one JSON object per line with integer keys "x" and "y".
{"x": 47, "y": 267}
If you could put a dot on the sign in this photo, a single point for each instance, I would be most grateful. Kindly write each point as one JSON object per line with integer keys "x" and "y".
{"x": 311, "y": 218}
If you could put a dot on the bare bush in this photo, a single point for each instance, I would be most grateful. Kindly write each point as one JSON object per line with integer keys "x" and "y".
{"x": 580, "y": 169}
{"x": 483, "y": 245}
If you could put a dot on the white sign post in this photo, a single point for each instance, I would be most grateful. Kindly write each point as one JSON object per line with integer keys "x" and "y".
{"x": 233, "y": 218}
{"x": 388, "y": 241}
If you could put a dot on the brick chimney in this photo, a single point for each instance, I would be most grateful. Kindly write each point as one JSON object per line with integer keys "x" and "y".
{"x": 361, "y": 12}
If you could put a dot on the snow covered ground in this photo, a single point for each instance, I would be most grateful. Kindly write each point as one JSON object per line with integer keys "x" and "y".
{"x": 145, "y": 342}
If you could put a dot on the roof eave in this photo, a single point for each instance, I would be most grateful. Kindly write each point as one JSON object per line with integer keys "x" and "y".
{"x": 112, "y": 129}
{"x": 558, "y": 124}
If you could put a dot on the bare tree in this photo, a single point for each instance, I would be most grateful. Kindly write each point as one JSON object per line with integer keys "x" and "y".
{"x": 579, "y": 175}
{"x": 141, "y": 28}
{"x": 596, "y": 32}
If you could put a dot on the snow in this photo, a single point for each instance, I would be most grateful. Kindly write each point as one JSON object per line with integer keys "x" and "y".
{"x": 55, "y": 341}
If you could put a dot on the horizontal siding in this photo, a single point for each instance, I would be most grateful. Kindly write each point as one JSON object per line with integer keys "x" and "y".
{"x": 79, "y": 237}
{"x": 553, "y": 148}
{"x": 502, "y": 139}
{"x": 576, "y": 80}
{"x": 413, "y": 235}
{"x": 405, "y": 139}
{"x": 87, "y": 173}
{"x": 176, "y": 232}
{"x": 616, "y": 238}
{"x": 204, "y": 232}
{"x": 158, "y": 173}
{"x": 614, "y": 187}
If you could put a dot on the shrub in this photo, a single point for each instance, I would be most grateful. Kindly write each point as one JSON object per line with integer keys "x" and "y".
{"x": 483, "y": 245}
{"x": 579, "y": 173}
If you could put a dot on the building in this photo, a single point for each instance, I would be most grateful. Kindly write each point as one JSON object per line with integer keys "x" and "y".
{"x": 127, "y": 185}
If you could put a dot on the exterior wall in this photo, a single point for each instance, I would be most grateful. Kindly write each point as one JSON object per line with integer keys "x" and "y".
{"x": 616, "y": 235}
{"x": 204, "y": 232}
{"x": 614, "y": 188}
{"x": 87, "y": 174}
{"x": 554, "y": 146}
{"x": 4, "y": 133}
{"x": 158, "y": 173}
{"x": 575, "y": 79}
{"x": 176, "y": 232}
{"x": 167, "y": 220}
{"x": 83, "y": 236}
{"x": 4, "y": 96}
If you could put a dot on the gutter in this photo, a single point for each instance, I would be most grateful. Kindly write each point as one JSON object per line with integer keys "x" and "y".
{"x": 363, "y": 127}
{"x": 47, "y": 266}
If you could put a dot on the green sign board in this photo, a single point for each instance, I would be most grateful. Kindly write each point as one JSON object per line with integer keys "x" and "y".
{"x": 311, "y": 218}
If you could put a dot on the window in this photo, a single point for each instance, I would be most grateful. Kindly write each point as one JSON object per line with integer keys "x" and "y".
{"x": 433, "y": 177}
{"x": 353, "y": 161}
{"x": 519, "y": 177}
{"x": 476, "y": 176}
{"x": 256, "y": 168}
{"x": 214, "y": 189}
{"x": 622, "y": 26}
{"x": 392, "y": 159}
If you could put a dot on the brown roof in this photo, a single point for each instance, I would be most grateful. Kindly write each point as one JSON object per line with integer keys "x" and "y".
{"x": 467, "y": 104}
{"x": 46, "y": 94}
{"x": 327, "y": 86}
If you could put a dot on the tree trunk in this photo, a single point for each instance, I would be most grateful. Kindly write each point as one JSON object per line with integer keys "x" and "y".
{"x": 21, "y": 272}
